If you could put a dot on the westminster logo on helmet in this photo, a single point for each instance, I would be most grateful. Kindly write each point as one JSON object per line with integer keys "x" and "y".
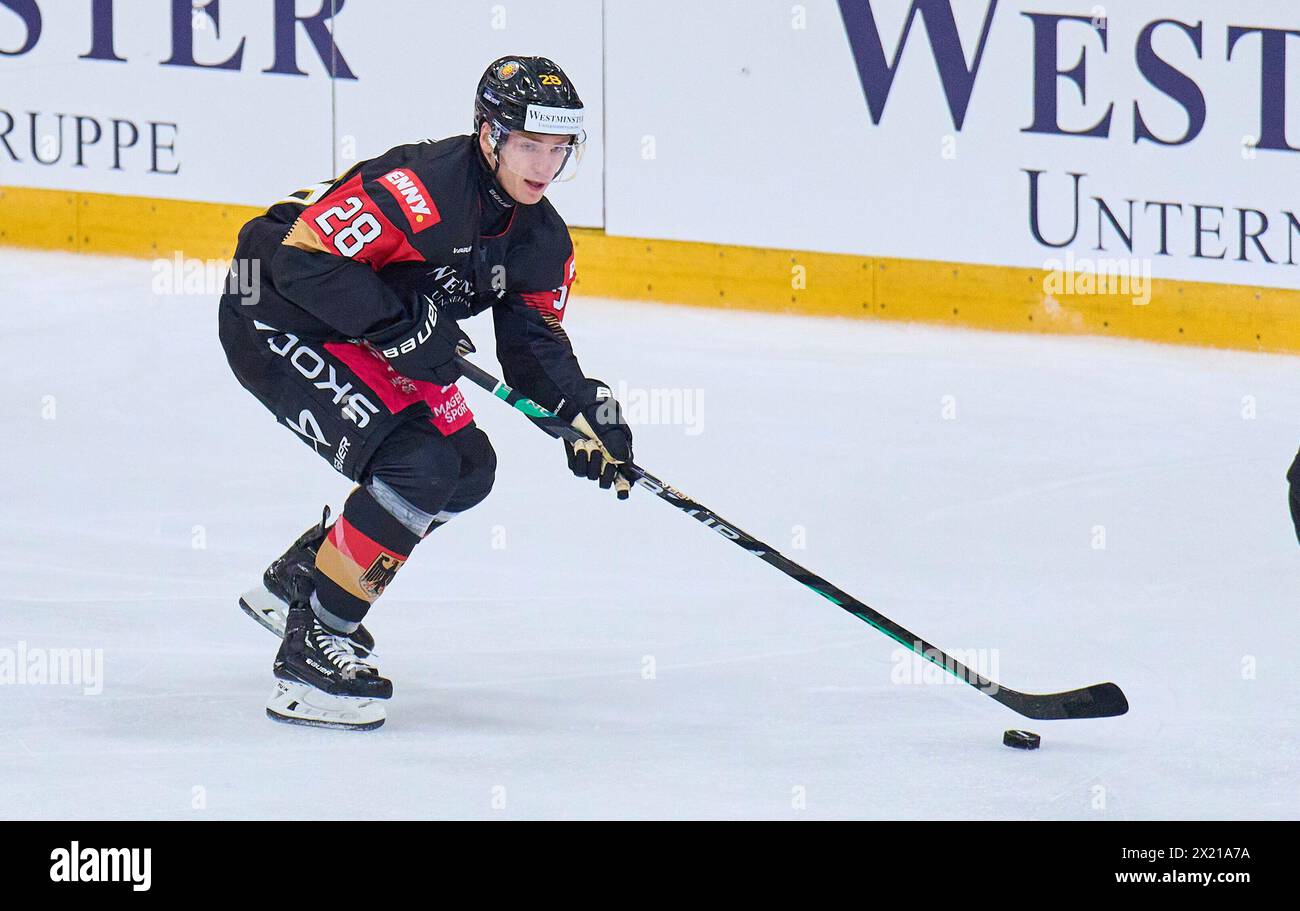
{"x": 544, "y": 119}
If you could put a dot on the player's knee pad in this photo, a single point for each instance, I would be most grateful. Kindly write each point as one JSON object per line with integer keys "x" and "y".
{"x": 478, "y": 469}
{"x": 413, "y": 475}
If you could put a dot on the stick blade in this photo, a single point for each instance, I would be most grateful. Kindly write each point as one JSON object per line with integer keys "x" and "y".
{"x": 1101, "y": 700}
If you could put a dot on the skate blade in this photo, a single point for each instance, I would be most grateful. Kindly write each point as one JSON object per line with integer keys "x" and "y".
{"x": 265, "y": 608}
{"x": 298, "y": 703}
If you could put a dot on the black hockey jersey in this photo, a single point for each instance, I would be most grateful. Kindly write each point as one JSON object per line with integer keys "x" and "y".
{"x": 350, "y": 259}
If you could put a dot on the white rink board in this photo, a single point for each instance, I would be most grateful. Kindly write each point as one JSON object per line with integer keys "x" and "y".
{"x": 761, "y": 134}
{"x": 736, "y": 121}
{"x": 247, "y": 136}
{"x": 242, "y": 136}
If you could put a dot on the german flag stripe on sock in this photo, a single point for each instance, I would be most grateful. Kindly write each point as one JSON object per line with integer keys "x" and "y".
{"x": 356, "y": 562}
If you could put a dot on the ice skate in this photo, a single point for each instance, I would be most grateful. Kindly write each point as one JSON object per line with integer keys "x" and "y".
{"x": 268, "y": 603}
{"x": 321, "y": 680}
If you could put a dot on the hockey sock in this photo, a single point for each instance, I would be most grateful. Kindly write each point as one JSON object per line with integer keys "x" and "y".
{"x": 360, "y": 556}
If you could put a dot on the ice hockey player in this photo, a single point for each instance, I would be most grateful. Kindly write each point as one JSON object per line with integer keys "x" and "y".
{"x": 351, "y": 342}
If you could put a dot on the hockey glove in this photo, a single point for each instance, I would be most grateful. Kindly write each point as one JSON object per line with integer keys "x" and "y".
{"x": 427, "y": 352}
{"x": 608, "y": 443}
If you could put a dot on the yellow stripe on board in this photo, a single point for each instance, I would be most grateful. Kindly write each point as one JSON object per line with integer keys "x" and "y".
{"x": 745, "y": 278}
{"x": 119, "y": 225}
{"x": 984, "y": 297}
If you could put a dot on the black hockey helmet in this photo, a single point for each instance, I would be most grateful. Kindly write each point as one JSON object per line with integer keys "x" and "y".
{"x": 531, "y": 94}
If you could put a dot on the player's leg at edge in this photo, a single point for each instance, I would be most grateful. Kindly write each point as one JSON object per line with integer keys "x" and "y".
{"x": 1293, "y": 481}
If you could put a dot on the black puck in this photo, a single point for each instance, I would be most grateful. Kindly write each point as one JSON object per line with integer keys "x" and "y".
{"x": 1022, "y": 740}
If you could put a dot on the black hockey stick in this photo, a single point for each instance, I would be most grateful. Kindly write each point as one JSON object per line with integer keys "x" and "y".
{"x": 1102, "y": 700}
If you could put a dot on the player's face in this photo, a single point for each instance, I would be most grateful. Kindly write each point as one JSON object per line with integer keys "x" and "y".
{"x": 529, "y": 162}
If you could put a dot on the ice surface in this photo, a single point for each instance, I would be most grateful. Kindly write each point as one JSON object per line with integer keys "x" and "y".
{"x": 556, "y": 653}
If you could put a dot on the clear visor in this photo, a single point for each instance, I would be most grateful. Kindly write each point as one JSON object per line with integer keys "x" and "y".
{"x": 541, "y": 159}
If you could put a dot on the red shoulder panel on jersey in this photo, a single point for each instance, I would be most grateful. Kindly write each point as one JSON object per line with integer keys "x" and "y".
{"x": 349, "y": 223}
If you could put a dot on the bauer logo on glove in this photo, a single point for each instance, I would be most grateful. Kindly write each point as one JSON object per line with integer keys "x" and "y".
{"x": 427, "y": 351}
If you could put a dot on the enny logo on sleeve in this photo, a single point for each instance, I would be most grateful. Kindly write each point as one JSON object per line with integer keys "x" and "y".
{"x": 414, "y": 199}
{"x": 76, "y": 864}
